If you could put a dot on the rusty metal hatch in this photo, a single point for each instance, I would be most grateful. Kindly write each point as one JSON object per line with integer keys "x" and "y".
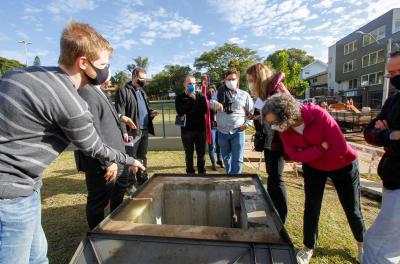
{"x": 178, "y": 219}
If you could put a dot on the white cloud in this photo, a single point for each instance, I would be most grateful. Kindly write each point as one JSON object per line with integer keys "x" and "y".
{"x": 236, "y": 40}
{"x": 70, "y": 6}
{"x": 267, "y": 48}
{"x": 148, "y": 41}
{"x": 307, "y": 46}
{"x": 210, "y": 43}
{"x": 155, "y": 24}
{"x": 126, "y": 44}
{"x": 30, "y": 9}
{"x": 23, "y": 35}
{"x": 322, "y": 26}
{"x": 325, "y": 4}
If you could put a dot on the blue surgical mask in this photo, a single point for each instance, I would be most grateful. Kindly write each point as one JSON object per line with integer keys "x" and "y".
{"x": 191, "y": 88}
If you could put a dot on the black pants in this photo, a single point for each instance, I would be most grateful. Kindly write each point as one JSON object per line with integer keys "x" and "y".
{"x": 100, "y": 193}
{"x": 139, "y": 152}
{"x": 275, "y": 163}
{"x": 191, "y": 140}
{"x": 347, "y": 185}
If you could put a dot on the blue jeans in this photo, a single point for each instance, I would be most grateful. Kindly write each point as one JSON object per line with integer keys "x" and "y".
{"x": 232, "y": 149}
{"x": 22, "y": 238}
{"x": 214, "y": 147}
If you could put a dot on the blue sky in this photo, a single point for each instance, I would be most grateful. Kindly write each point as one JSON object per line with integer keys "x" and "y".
{"x": 177, "y": 31}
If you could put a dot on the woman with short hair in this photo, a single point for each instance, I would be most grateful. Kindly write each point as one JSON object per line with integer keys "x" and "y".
{"x": 310, "y": 135}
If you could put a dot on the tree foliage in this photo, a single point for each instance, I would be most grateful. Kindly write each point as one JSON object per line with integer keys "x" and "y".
{"x": 218, "y": 60}
{"x": 36, "y": 61}
{"x": 169, "y": 79}
{"x": 120, "y": 79}
{"x": 8, "y": 65}
{"x": 138, "y": 62}
{"x": 294, "y": 56}
{"x": 292, "y": 70}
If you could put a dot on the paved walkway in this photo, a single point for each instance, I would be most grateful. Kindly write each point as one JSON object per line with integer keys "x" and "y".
{"x": 368, "y": 159}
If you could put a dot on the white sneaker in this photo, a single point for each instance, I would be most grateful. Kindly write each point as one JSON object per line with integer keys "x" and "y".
{"x": 360, "y": 251}
{"x": 304, "y": 256}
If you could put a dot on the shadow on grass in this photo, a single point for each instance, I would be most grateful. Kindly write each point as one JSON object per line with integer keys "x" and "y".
{"x": 64, "y": 227}
{"x": 332, "y": 252}
{"x": 61, "y": 185}
{"x": 155, "y": 169}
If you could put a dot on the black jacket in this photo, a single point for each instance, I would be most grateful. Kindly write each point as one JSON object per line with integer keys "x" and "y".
{"x": 126, "y": 104}
{"x": 389, "y": 166}
{"x": 107, "y": 124}
{"x": 194, "y": 110}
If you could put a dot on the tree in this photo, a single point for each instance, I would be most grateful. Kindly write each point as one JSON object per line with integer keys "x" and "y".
{"x": 169, "y": 79}
{"x": 218, "y": 60}
{"x": 294, "y": 55}
{"x": 36, "y": 61}
{"x": 8, "y": 65}
{"x": 138, "y": 62}
{"x": 292, "y": 81}
{"x": 120, "y": 79}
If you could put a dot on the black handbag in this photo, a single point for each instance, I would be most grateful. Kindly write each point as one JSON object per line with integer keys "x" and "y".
{"x": 259, "y": 141}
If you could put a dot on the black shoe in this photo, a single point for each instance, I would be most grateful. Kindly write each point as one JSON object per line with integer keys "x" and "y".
{"x": 221, "y": 164}
{"x": 213, "y": 167}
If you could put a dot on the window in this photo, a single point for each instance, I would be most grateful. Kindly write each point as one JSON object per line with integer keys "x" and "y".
{"x": 372, "y": 79}
{"x": 374, "y": 35}
{"x": 396, "y": 26}
{"x": 348, "y": 66}
{"x": 353, "y": 84}
{"x": 350, "y": 47}
{"x": 373, "y": 58}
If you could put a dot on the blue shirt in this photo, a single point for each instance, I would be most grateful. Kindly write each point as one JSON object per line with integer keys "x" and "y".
{"x": 142, "y": 108}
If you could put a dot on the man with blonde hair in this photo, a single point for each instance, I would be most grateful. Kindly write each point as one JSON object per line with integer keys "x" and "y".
{"x": 41, "y": 113}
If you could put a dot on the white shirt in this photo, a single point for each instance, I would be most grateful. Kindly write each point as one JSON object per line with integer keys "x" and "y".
{"x": 299, "y": 129}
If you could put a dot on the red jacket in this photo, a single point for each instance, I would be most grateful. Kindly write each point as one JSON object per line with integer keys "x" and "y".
{"x": 319, "y": 127}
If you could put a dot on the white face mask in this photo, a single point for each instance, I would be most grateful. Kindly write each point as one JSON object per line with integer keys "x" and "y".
{"x": 277, "y": 128}
{"x": 231, "y": 84}
{"x": 251, "y": 86}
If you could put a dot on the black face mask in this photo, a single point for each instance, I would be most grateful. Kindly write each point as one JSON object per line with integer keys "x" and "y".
{"x": 101, "y": 75}
{"x": 141, "y": 82}
{"x": 395, "y": 81}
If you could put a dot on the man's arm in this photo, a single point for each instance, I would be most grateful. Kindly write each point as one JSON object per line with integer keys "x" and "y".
{"x": 379, "y": 136}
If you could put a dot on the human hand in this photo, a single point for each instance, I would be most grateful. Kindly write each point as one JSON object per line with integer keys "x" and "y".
{"x": 395, "y": 135}
{"x": 253, "y": 117}
{"x": 154, "y": 113}
{"x": 127, "y": 121}
{"x": 382, "y": 124}
{"x": 218, "y": 107}
{"x": 136, "y": 166}
{"x": 325, "y": 145}
{"x": 111, "y": 172}
{"x": 243, "y": 127}
{"x": 126, "y": 137}
{"x": 192, "y": 95}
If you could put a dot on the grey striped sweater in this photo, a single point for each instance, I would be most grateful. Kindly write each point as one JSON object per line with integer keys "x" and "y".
{"x": 40, "y": 114}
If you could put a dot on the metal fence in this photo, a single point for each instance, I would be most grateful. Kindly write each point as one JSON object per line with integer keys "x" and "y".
{"x": 167, "y": 113}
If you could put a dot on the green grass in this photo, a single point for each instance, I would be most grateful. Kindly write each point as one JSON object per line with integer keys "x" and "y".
{"x": 64, "y": 198}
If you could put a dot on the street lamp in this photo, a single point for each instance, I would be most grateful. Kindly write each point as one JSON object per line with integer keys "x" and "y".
{"x": 26, "y": 43}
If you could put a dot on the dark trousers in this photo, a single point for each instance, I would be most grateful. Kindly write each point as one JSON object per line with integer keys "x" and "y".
{"x": 194, "y": 140}
{"x": 275, "y": 162}
{"x": 100, "y": 193}
{"x": 139, "y": 152}
{"x": 347, "y": 185}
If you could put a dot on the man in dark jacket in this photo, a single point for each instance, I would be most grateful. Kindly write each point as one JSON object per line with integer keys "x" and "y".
{"x": 106, "y": 182}
{"x": 131, "y": 101}
{"x": 382, "y": 240}
{"x": 191, "y": 106}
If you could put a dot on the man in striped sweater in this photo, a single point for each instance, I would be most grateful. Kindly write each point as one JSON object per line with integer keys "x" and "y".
{"x": 41, "y": 113}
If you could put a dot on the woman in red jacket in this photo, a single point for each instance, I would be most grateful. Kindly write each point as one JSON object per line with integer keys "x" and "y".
{"x": 264, "y": 83}
{"x": 310, "y": 135}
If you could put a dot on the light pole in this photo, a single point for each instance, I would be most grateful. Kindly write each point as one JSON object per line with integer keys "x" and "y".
{"x": 26, "y": 43}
